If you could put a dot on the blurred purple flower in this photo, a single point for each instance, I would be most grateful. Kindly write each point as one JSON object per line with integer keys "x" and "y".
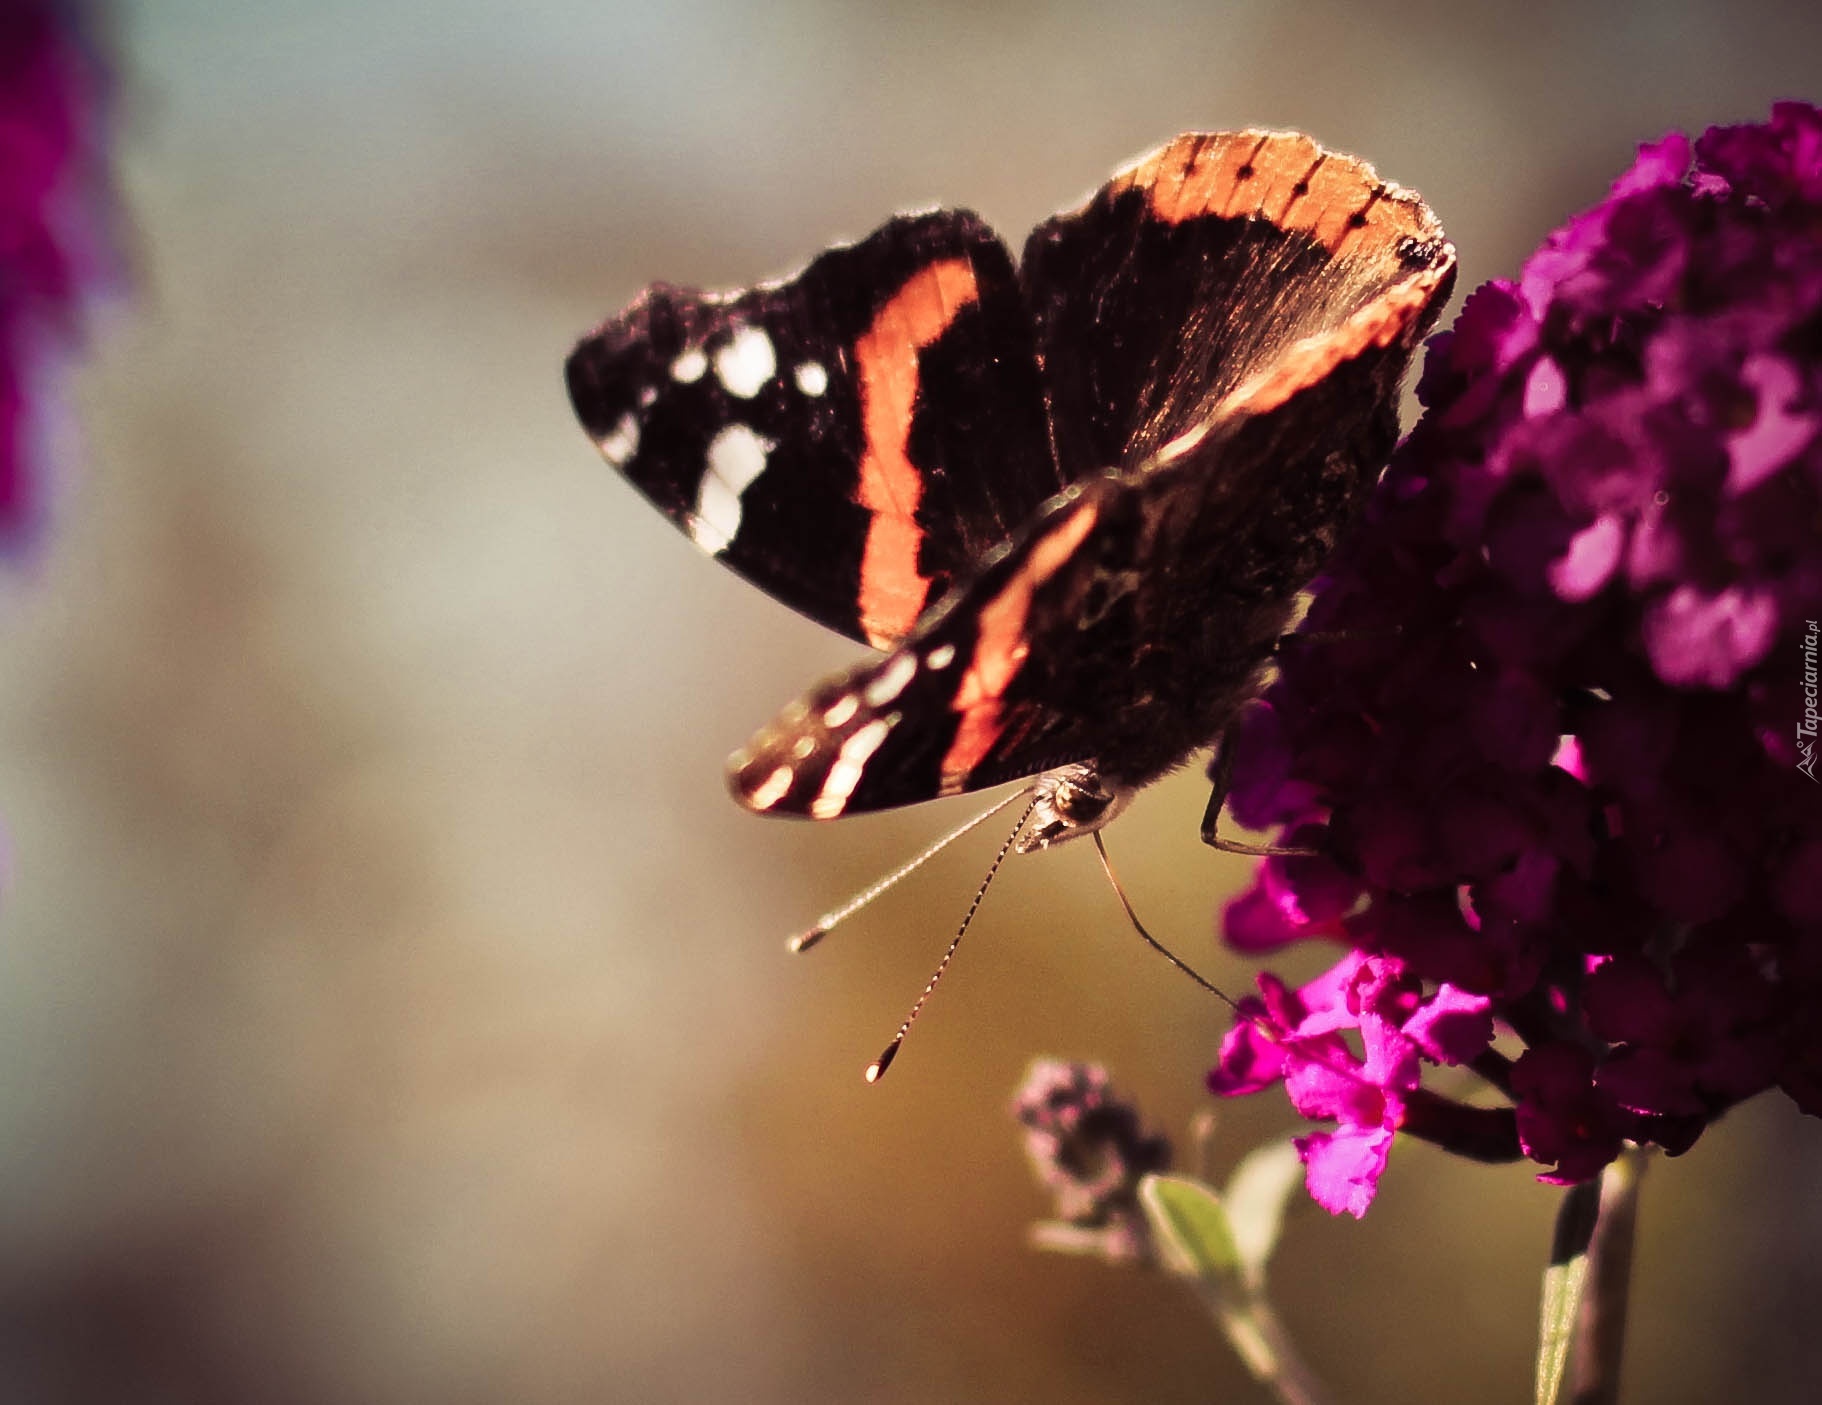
{"x": 53, "y": 233}
{"x": 1551, "y": 748}
{"x": 1090, "y": 1151}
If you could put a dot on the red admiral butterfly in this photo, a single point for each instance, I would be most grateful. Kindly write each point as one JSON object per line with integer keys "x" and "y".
{"x": 1074, "y": 501}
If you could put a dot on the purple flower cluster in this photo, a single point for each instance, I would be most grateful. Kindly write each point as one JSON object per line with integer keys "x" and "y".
{"x": 52, "y": 234}
{"x": 1553, "y": 748}
{"x": 1090, "y": 1151}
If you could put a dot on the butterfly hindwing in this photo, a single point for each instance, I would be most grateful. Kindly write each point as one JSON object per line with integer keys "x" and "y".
{"x": 922, "y": 721}
{"x": 1072, "y": 645}
{"x": 850, "y": 440}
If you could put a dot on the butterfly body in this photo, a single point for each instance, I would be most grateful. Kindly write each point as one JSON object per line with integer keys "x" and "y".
{"x": 1072, "y": 500}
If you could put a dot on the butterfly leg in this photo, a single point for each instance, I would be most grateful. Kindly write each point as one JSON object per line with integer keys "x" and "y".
{"x": 1221, "y": 773}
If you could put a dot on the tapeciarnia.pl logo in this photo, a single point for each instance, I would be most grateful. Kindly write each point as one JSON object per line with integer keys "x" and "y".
{"x": 1806, "y": 729}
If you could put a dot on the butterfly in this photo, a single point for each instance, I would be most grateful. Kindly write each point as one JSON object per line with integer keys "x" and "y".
{"x": 1071, "y": 501}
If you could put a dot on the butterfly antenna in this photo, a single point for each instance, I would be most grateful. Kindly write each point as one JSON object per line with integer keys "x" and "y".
{"x": 803, "y": 941}
{"x": 1151, "y": 941}
{"x": 1257, "y": 1018}
{"x": 877, "y": 1069}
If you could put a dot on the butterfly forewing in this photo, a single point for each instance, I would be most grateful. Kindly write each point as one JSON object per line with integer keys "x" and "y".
{"x": 1196, "y": 268}
{"x": 850, "y": 440}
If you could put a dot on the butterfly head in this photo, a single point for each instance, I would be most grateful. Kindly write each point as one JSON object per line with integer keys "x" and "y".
{"x": 1071, "y": 801}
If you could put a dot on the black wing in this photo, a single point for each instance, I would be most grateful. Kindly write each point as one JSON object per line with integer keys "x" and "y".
{"x": 1137, "y": 610}
{"x": 1196, "y": 269}
{"x": 852, "y": 440}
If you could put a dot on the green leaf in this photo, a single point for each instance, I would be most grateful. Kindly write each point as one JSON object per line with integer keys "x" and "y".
{"x": 1564, "y": 1282}
{"x": 1191, "y": 1227}
{"x": 1256, "y": 1196}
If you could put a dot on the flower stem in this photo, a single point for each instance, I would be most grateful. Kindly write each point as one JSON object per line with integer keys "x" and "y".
{"x": 1601, "y": 1325}
{"x": 1259, "y": 1339}
{"x": 1487, "y": 1134}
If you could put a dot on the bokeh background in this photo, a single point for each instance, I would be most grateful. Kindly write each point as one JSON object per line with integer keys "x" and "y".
{"x": 393, "y": 1007}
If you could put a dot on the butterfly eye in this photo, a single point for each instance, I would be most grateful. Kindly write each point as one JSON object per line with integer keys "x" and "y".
{"x": 1079, "y": 804}
{"x": 1072, "y": 801}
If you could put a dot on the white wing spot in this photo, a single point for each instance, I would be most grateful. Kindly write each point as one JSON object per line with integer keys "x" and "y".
{"x": 736, "y": 457}
{"x": 811, "y": 378}
{"x": 772, "y": 789}
{"x": 841, "y": 711}
{"x": 802, "y": 747}
{"x": 746, "y": 363}
{"x": 845, "y": 774}
{"x": 891, "y": 680}
{"x": 690, "y": 366}
{"x": 648, "y": 397}
{"x": 621, "y": 442}
{"x": 941, "y": 656}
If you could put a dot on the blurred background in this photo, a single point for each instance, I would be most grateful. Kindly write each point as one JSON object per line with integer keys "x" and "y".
{"x": 392, "y": 1005}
